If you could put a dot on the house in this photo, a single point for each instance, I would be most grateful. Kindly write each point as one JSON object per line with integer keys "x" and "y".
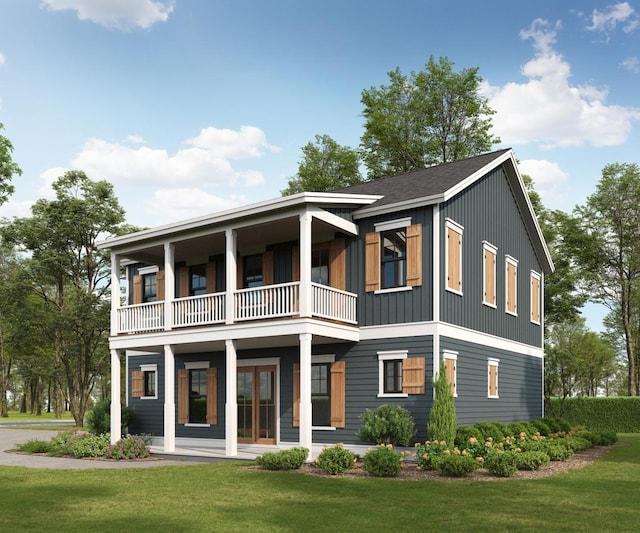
{"x": 277, "y": 324}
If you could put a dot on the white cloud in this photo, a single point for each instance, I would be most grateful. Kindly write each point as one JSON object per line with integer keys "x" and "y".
{"x": 134, "y": 139}
{"x": 207, "y": 160}
{"x": 2, "y": 60}
{"x": 548, "y": 179}
{"x": 631, "y": 64}
{"x": 48, "y": 177}
{"x": 185, "y": 203}
{"x": 16, "y": 208}
{"x": 608, "y": 20}
{"x": 547, "y": 109}
{"x": 118, "y": 14}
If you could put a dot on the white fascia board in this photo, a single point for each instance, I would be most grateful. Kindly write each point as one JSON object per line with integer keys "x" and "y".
{"x": 392, "y": 208}
{"x": 334, "y": 220}
{"x": 252, "y": 210}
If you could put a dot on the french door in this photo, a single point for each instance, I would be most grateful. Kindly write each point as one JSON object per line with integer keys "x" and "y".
{"x": 257, "y": 404}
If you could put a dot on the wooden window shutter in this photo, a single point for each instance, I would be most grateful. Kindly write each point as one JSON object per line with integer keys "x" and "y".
{"x": 296, "y": 395}
{"x": 454, "y": 257}
{"x": 489, "y": 277}
{"x": 267, "y": 267}
{"x": 183, "y": 396}
{"x": 511, "y": 287}
{"x": 210, "y": 272}
{"x": 137, "y": 289}
{"x": 212, "y": 395}
{"x": 493, "y": 380}
{"x": 535, "y": 299}
{"x": 338, "y": 264}
{"x": 338, "y": 408}
{"x": 414, "y": 255}
{"x": 160, "y": 285}
{"x": 372, "y": 261}
{"x": 137, "y": 383}
{"x": 295, "y": 263}
{"x": 413, "y": 375}
{"x": 450, "y": 369}
{"x": 183, "y": 276}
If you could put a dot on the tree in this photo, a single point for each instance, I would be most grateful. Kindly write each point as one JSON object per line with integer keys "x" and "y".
{"x": 434, "y": 116}
{"x": 442, "y": 417}
{"x": 7, "y": 168}
{"x": 325, "y": 166}
{"x": 72, "y": 277}
{"x": 602, "y": 237}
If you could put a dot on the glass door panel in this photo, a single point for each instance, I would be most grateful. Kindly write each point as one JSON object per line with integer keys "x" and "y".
{"x": 245, "y": 405}
{"x": 257, "y": 404}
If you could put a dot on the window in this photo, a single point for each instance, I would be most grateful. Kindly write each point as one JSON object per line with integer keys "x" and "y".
{"x": 492, "y": 377}
{"x": 450, "y": 367}
{"x": 453, "y": 256}
{"x": 394, "y": 256}
{"x": 321, "y": 394}
{"x": 197, "y": 280}
{"x": 400, "y": 375}
{"x": 149, "y": 287}
{"x": 535, "y": 297}
{"x": 197, "y": 394}
{"x": 511, "y": 275}
{"x": 144, "y": 382}
{"x": 252, "y": 270}
{"x": 489, "y": 274}
{"x": 320, "y": 266}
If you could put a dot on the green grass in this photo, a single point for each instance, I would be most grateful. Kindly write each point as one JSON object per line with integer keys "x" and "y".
{"x": 16, "y": 416}
{"x": 226, "y": 497}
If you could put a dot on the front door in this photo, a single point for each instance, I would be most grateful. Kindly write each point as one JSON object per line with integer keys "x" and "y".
{"x": 257, "y": 404}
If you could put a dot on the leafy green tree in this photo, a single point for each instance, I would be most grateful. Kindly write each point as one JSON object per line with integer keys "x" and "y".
{"x": 433, "y": 116}
{"x": 442, "y": 417}
{"x": 8, "y": 168}
{"x": 602, "y": 238}
{"x": 325, "y": 166}
{"x": 71, "y": 276}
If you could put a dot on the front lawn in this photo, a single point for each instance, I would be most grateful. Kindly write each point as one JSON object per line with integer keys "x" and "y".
{"x": 228, "y": 497}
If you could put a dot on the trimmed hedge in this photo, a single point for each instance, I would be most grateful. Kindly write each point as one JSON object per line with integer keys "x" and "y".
{"x": 620, "y": 414}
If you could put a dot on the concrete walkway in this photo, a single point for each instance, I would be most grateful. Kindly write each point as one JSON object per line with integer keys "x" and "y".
{"x": 10, "y": 437}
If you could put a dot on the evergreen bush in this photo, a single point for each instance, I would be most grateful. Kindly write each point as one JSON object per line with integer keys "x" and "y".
{"x": 502, "y": 464}
{"x": 336, "y": 460}
{"x": 464, "y": 433}
{"x": 388, "y": 424}
{"x": 98, "y": 420}
{"x": 291, "y": 459}
{"x": 532, "y": 460}
{"x": 455, "y": 465}
{"x": 383, "y": 461}
{"x": 442, "y": 417}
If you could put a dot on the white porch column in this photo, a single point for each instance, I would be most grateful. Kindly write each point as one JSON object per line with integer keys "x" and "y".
{"x": 306, "y": 435}
{"x": 306, "y": 294}
{"x": 231, "y": 405}
{"x": 116, "y": 413}
{"x": 169, "y": 284}
{"x": 115, "y": 292}
{"x": 169, "y": 400}
{"x": 231, "y": 275}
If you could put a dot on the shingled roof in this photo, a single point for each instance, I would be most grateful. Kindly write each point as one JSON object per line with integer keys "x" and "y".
{"x": 426, "y": 182}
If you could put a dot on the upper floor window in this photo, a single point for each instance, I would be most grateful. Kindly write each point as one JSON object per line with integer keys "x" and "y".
{"x": 535, "y": 297}
{"x": 149, "y": 287}
{"x": 393, "y": 255}
{"x": 252, "y": 271}
{"x": 489, "y": 274}
{"x": 453, "y": 256}
{"x": 511, "y": 285}
{"x": 197, "y": 280}
{"x": 320, "y": 265}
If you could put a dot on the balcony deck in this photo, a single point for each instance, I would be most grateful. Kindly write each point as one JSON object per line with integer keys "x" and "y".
{"x": 258, "y": 303}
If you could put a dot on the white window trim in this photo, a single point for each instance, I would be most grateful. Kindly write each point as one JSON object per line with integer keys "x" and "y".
{"x": 452, "y": 224}
{"x": 513, "y": 261}
{"x": 496, "y": 363}
{"x": 150, "y": 368}
{"x": 318, "y": 360}
{"x": 537, "y": 276}
{"x": 153, "y": 269}
{"x": 488, "y": 247}
{"x": 197, "y": 365}
{"x": 393, "y": 224}
{"x": 393, "y": 289}
{"x": 391, "y": 355}
{"x": 449, "y": 354}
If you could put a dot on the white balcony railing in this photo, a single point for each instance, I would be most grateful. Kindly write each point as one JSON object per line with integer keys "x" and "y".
{"x": 199, "y": 310}
{"x": 272, "y": 301}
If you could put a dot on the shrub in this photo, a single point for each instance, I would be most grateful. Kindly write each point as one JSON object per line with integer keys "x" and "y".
{"x": 557, "y": 451}
{"x": 335, "y": 460}
{"x": 383, "y": 461}
{"x": 427, "y": 452}
{"x": 464, "y": 433}
{"x": 61, "y": 444}
{"x": 455, "y": 465}
{"x": 515, "y": 428}
{"x": 532, "y": 460}
{"x": 388, "y": 424}
{"x": 87, "y": 445}
{"x": 128, "y": 448}
{"x": 502, "y": 464}
{"x": 607, "y": 438}
{"x": 477, "y": 447}
{"x": 35, "y": 446}
{"x": 98, "y": 420}
{"x": 541, "y": 426}
{"x": 284, "y": 459}
{"x": 621, "y": 414}
{"x": 490, "y": 429}
{"x": 530, "y": 429}
{"x": 442, "y": 417}
{"x": 578, "y": 444}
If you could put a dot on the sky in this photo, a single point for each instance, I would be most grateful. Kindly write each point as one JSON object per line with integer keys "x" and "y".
{"x": 194, "y": 106}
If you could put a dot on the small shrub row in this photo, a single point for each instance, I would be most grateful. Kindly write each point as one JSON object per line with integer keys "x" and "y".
{"x": 130, "y": 447}
{"x": 291, "y": 459}
{"x": 383, "y": 461}
{"x": 336, "y": 460}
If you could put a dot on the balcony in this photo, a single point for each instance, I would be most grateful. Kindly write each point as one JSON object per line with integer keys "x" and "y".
{"x": 258, "y": 303}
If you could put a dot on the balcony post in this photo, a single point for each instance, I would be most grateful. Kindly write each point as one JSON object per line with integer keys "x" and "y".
{"x": 231, "y": 275}
{"x": 306, "y": 295}
{"x": 169, "y": 284}
{"x": 115, "y": 292}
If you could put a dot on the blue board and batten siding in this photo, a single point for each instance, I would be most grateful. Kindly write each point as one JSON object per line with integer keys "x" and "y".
{"x": 149, "y": 412}
{"x": 488, "y": 212}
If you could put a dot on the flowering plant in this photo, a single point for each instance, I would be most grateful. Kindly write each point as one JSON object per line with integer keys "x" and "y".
{"x": 427, "y": 452}
{"x": 128, "y": 448}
